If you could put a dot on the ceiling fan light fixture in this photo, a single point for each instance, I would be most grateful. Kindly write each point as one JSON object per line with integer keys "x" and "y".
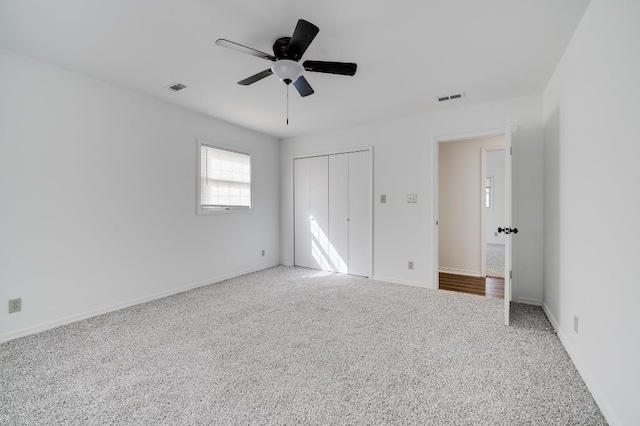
{"x": 287, "y": 70}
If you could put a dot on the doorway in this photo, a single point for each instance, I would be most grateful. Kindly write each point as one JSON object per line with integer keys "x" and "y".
{"x": 468, "y": 195}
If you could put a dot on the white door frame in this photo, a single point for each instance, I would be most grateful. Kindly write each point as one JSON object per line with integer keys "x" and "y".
{"x": 508, "y": 133}
{"x": 369, "y": 148}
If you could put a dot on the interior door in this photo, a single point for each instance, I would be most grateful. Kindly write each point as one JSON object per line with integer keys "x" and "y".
{"x": 302, "y": 232}
{"x": 339, "y": 213}
{"x": 508, "y": 225}
{"x": 311, "y": 204}
{"x": 319, "y": 211}
{"x": 360, "y": 205}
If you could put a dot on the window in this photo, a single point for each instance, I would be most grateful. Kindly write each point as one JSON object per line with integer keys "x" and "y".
{"x": 225, "y": 180}
{"x": 488, "y": 192}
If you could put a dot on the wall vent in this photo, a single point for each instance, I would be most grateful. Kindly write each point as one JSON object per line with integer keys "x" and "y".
{"x": 175, "y": 87}
{"x": 450, "y": 97}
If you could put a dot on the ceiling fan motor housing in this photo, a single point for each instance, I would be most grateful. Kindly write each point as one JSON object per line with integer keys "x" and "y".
{"x": 281, "y": 48}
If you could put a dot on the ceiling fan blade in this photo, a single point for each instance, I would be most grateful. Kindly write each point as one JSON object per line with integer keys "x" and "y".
{"x": 303, "y": 87}
{"x": 256, "y": 77}
{"x": 244, "y": 49}
{"x": 341, "y": 68}
{"x": 302, "y": 37}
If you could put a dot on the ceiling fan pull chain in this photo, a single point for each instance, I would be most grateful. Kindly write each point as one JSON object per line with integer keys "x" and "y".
{"x": 287, "y": 104}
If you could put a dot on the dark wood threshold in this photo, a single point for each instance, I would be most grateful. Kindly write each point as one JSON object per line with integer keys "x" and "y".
{"x": 488, "y": 287}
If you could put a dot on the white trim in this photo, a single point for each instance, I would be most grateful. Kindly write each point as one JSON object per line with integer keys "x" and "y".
{"x": 371, "y": 214}
{"x": 527, "y": 301}
{"x": 333, "y": 152}
{"x": 121, "y": 305}
{"x": 475, "y": 134}
{"x": 465, "y": 272}
{"x": 588, "y": 379}
{"x": 435, "y": 244}
{"x": 483, "y": 212}
{"x": 403, "y": 282}
{"x": 551, "y": 318}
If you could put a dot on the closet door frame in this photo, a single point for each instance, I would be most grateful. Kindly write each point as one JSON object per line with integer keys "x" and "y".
{"x": 371, "y": 184}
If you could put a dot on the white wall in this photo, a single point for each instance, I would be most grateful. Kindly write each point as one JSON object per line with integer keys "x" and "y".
{"x": 495, "y": 213}
{"x": 98, "y": 193}
{"x": 461, "y": 203}
{"x": 592, "y": 206}
{"x": 403, "y": 164}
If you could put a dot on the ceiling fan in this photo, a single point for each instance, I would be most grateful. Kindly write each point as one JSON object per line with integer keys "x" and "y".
{"x": 287, "y": 52}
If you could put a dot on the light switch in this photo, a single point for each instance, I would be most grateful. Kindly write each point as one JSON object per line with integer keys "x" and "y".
{"x": 412, "y": 198}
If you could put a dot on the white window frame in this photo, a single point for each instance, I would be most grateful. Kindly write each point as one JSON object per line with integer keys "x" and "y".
{"x": 488, "y": 179}
{"x": 222, "y": 209}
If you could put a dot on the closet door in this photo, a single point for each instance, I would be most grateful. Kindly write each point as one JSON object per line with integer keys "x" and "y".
{"x": 311, "y": 204}
{"x": 319, "y": 211}
{"x": 302, "y": 232}
{"x": 339, "y": 213}
{"x": 360, "y": 205}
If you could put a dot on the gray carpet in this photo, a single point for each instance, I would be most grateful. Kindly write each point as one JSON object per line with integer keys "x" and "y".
{"x": 291, "y": 346}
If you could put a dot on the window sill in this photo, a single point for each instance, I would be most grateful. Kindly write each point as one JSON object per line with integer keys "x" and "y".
{"x": 222, "y": 210}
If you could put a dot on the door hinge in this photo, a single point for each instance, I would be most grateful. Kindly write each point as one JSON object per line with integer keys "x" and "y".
{"x": 510, "y": 274}
{"x": 510, "y": 150}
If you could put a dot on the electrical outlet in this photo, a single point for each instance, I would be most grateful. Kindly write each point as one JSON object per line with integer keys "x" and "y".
{"x": 263, "y": 251}
{"x": 411, "y": 264}
{"x": 383, "y": 198}
{"x": 15, "y": 305}
{"x": 412, "y": 198}
{"x": 575, "y": 324}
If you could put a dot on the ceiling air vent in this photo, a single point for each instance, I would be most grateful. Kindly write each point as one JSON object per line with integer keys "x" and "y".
{"x": 176, "y": 87}
{"x": 450, "y": 97}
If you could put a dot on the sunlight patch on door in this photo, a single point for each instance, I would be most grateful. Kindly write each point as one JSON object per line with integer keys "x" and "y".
{"x": 324, "y": 253}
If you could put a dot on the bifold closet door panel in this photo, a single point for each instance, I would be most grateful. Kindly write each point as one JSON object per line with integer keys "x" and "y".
{"x": 302, "y": 232}
{"x": 319, "y": 211}
{"x": 339, "y": 213}
{"x": 360, "y": 207}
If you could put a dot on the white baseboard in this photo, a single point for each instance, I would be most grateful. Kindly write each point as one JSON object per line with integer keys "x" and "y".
{"x": 527, "y": 301}
{"x": 5, "y": 337}
{"x": 288, "y": 263}
{"x": 455, "y": 271}
{"x": 403, "y": 282}
{"x": 593, "y": 387}
{"x": 551, "y": 318}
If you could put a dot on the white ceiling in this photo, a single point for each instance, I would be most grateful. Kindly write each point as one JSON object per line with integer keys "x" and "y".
{"x": 408, "y": 52}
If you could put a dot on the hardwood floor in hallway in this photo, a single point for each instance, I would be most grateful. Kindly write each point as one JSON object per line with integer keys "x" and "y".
{"x": 489, "y": 287}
